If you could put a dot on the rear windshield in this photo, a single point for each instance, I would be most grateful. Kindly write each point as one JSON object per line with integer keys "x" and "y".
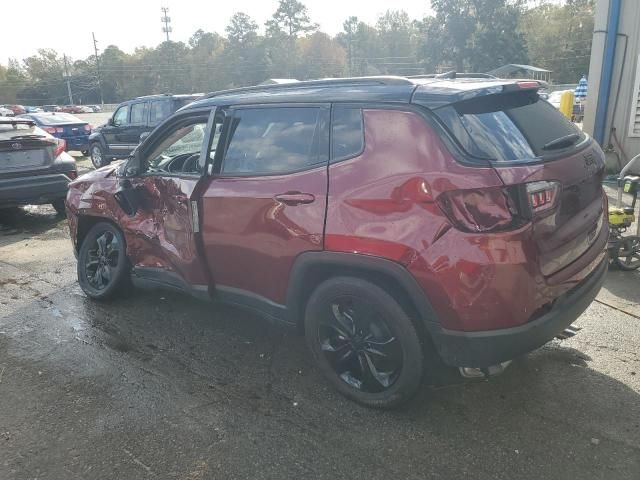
{"x": 508, "y": 127}
{"x": 58, "y": 118}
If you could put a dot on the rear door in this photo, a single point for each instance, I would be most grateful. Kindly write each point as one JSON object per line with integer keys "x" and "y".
{"x": 266, "y": 202}
{"x": 557, "y": 167}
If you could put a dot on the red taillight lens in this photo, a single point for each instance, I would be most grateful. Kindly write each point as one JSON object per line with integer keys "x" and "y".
{"x": 542, "y": 195}
{"x": 481, "y": 210}
{"x": 59, "y": 130}
{"x": 88, "y": 128}
{"x": 61, "y": 146}
{"x": 528, "y": 84}
{"x": 51, "y": 130}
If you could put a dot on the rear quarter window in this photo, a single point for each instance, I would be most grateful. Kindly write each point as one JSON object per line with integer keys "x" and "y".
{"x": 347, "y": 133}
{"x": 506, "y": 127}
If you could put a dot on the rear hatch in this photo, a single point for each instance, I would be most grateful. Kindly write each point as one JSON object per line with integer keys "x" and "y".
{"x": 553, "y": 168}
{"x": 24, "y": 147}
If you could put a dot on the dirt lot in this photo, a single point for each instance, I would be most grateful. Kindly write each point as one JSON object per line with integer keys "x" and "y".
{"x": 162, "y": 386}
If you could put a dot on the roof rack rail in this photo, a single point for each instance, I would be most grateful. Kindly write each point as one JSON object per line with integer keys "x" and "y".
{"x": 325, "y": 82}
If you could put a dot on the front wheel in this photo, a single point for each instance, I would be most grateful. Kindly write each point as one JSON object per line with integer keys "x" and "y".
{"x": 103, "y": 267}
{"x": 58, "y": 205}
{"x": 363, "y": 342}
{"x": 627, "y": 254}
{"x": 97, "y": 156}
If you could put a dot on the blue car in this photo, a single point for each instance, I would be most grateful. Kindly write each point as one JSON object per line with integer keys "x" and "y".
{"x": 71, "y": 129}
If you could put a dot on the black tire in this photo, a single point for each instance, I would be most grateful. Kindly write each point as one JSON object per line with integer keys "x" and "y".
{"x": 97, "y": 155}
{"x": 103, "y": 267}
{"x": 85, "y": 153}
{"x": 627, "y": 257}
{"x": 58, "y": 206}
{"x": 364, "y": 342}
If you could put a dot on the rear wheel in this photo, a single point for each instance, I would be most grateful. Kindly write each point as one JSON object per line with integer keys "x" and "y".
{"x": 97, "y": 156}
{"x": 363, "y": 342}
{"x": 628, "y": 253}
{"x": 58, "y": 205}
{"x": 103, "y": 268}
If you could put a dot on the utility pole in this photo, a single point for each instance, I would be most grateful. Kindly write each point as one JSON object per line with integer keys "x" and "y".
{"x": 95, "y": 49}
{"x": 68, "y": 78}
{"x": 166, "y": 19}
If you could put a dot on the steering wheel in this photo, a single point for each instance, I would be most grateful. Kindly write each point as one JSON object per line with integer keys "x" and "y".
{"x": 191, "y": 164}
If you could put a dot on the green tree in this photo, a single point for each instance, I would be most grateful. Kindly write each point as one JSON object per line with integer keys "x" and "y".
{"x": 242, "y": 31}
{"x": 291, "y": 18}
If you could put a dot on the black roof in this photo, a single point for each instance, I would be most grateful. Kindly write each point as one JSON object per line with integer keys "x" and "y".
{"x": 429, "y": 92}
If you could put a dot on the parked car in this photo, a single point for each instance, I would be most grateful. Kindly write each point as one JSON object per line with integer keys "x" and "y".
{"x": 95, "y": 108}
{"x": 391, "y": 220}
{"x": 6, "y": 112}
{"x": 34, "y": 168}
{"x": 86, "y": 109}
{"x": 71, "y": 109}
{"x": 131, "y": 120}
{"x": 33, "y": 109}
{"x": 17, "y": 109}
{"x": 51, "y": 108}
{"x": 74, "y": 131}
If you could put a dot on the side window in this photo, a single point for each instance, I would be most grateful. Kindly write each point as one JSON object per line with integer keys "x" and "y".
{"x": 179, "y": 150}
{"x": 272, "y": 140}
{"x": 139, "y": 113}
{"x": 121, "y": 116}
{"x": 160, "y": 110}
{"x": 347, "y": 133}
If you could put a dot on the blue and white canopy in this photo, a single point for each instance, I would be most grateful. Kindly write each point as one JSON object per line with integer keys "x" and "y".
{"x": 581, "y": 89}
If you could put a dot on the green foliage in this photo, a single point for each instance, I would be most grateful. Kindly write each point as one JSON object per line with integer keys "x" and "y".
{"x": 465, "y": 35}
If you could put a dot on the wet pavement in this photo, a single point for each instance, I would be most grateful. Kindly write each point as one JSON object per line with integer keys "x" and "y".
{"x": 156, "y": 385}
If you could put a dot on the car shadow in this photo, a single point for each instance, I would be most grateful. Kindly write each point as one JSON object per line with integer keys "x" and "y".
{"x": 549, "y": 415}
{"x": 28, "y": 220}
{"x": 624, "y": 285}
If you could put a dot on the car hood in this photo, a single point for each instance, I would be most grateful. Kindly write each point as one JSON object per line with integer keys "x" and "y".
{"x": 100, "y": 173}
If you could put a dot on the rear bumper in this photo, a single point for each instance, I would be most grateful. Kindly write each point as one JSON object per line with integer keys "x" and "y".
{"x": 486, "y": 348}
{"x": 35, "y": 190}
{"x": 78, "y": 143}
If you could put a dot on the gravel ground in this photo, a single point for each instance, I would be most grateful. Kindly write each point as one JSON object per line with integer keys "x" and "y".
{"x": 157, "y": 385}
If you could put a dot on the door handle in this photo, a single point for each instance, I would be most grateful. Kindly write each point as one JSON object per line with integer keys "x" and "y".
{"x": 295, "y": 198}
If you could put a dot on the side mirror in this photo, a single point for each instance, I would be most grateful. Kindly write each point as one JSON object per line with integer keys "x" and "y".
{"x": 144, "y": 135}
{"x": 110, "y": 122}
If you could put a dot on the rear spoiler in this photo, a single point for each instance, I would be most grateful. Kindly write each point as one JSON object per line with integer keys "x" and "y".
{"x": 16, "y": 121}
{"x": 438, "y": 94}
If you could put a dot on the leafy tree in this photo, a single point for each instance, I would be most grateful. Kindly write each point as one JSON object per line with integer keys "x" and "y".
{"x": 242, "y": 31}
{"x": 291, "y": 18}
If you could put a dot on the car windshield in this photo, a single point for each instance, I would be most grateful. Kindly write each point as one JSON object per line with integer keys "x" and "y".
{"x": 57, "y": 119}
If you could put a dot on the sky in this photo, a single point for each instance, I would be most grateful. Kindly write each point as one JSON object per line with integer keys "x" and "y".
{"x": 66, "y": 25}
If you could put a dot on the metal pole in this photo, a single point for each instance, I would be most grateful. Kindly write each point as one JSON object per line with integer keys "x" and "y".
{"x": 95, "y": 49}
{"x": 66, "y": 71}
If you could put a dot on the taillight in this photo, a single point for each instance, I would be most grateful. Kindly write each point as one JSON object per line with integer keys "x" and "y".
{"x": 51, "y": 130}
{"x": 61, "y": 146}
{"x": 88, "y": 128}
{"x": 528, "y": 84}
{"x": 483, "y": 209}
{"x": 542, "y": 195}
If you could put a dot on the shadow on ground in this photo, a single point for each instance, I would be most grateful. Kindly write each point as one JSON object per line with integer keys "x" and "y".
{"x": 162, "y": 385}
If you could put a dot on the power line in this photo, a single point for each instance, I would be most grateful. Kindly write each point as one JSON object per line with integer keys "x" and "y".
{"x": 95, "y": 49}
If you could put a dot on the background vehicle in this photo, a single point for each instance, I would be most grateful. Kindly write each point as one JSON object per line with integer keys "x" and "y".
{"x": 86, "y": 109}
{"x": 34, "y": 168}
{"x": 95, "y": 108}
{"x": 624, "y": 250}
{"x": 74, "y": 131}
{"x": 6, "y": 112}
{"x": 51, "y": 108}
{"x": 71, "y": 109}
{"x": 33, "y": 109}
{"x": 16, "y": 109}
{"x": 131, "y": 119}
{"x": 392, "y": 220}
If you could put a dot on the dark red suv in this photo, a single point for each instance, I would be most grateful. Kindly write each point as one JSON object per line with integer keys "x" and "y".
{"x": 386, "y": 217}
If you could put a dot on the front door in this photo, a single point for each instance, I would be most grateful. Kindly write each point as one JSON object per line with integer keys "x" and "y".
{"x": 266, "y": 202}
{"x": 138, "y": 118}
{"x": 161, "y": 236}
{"x": 114, "y": 131}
